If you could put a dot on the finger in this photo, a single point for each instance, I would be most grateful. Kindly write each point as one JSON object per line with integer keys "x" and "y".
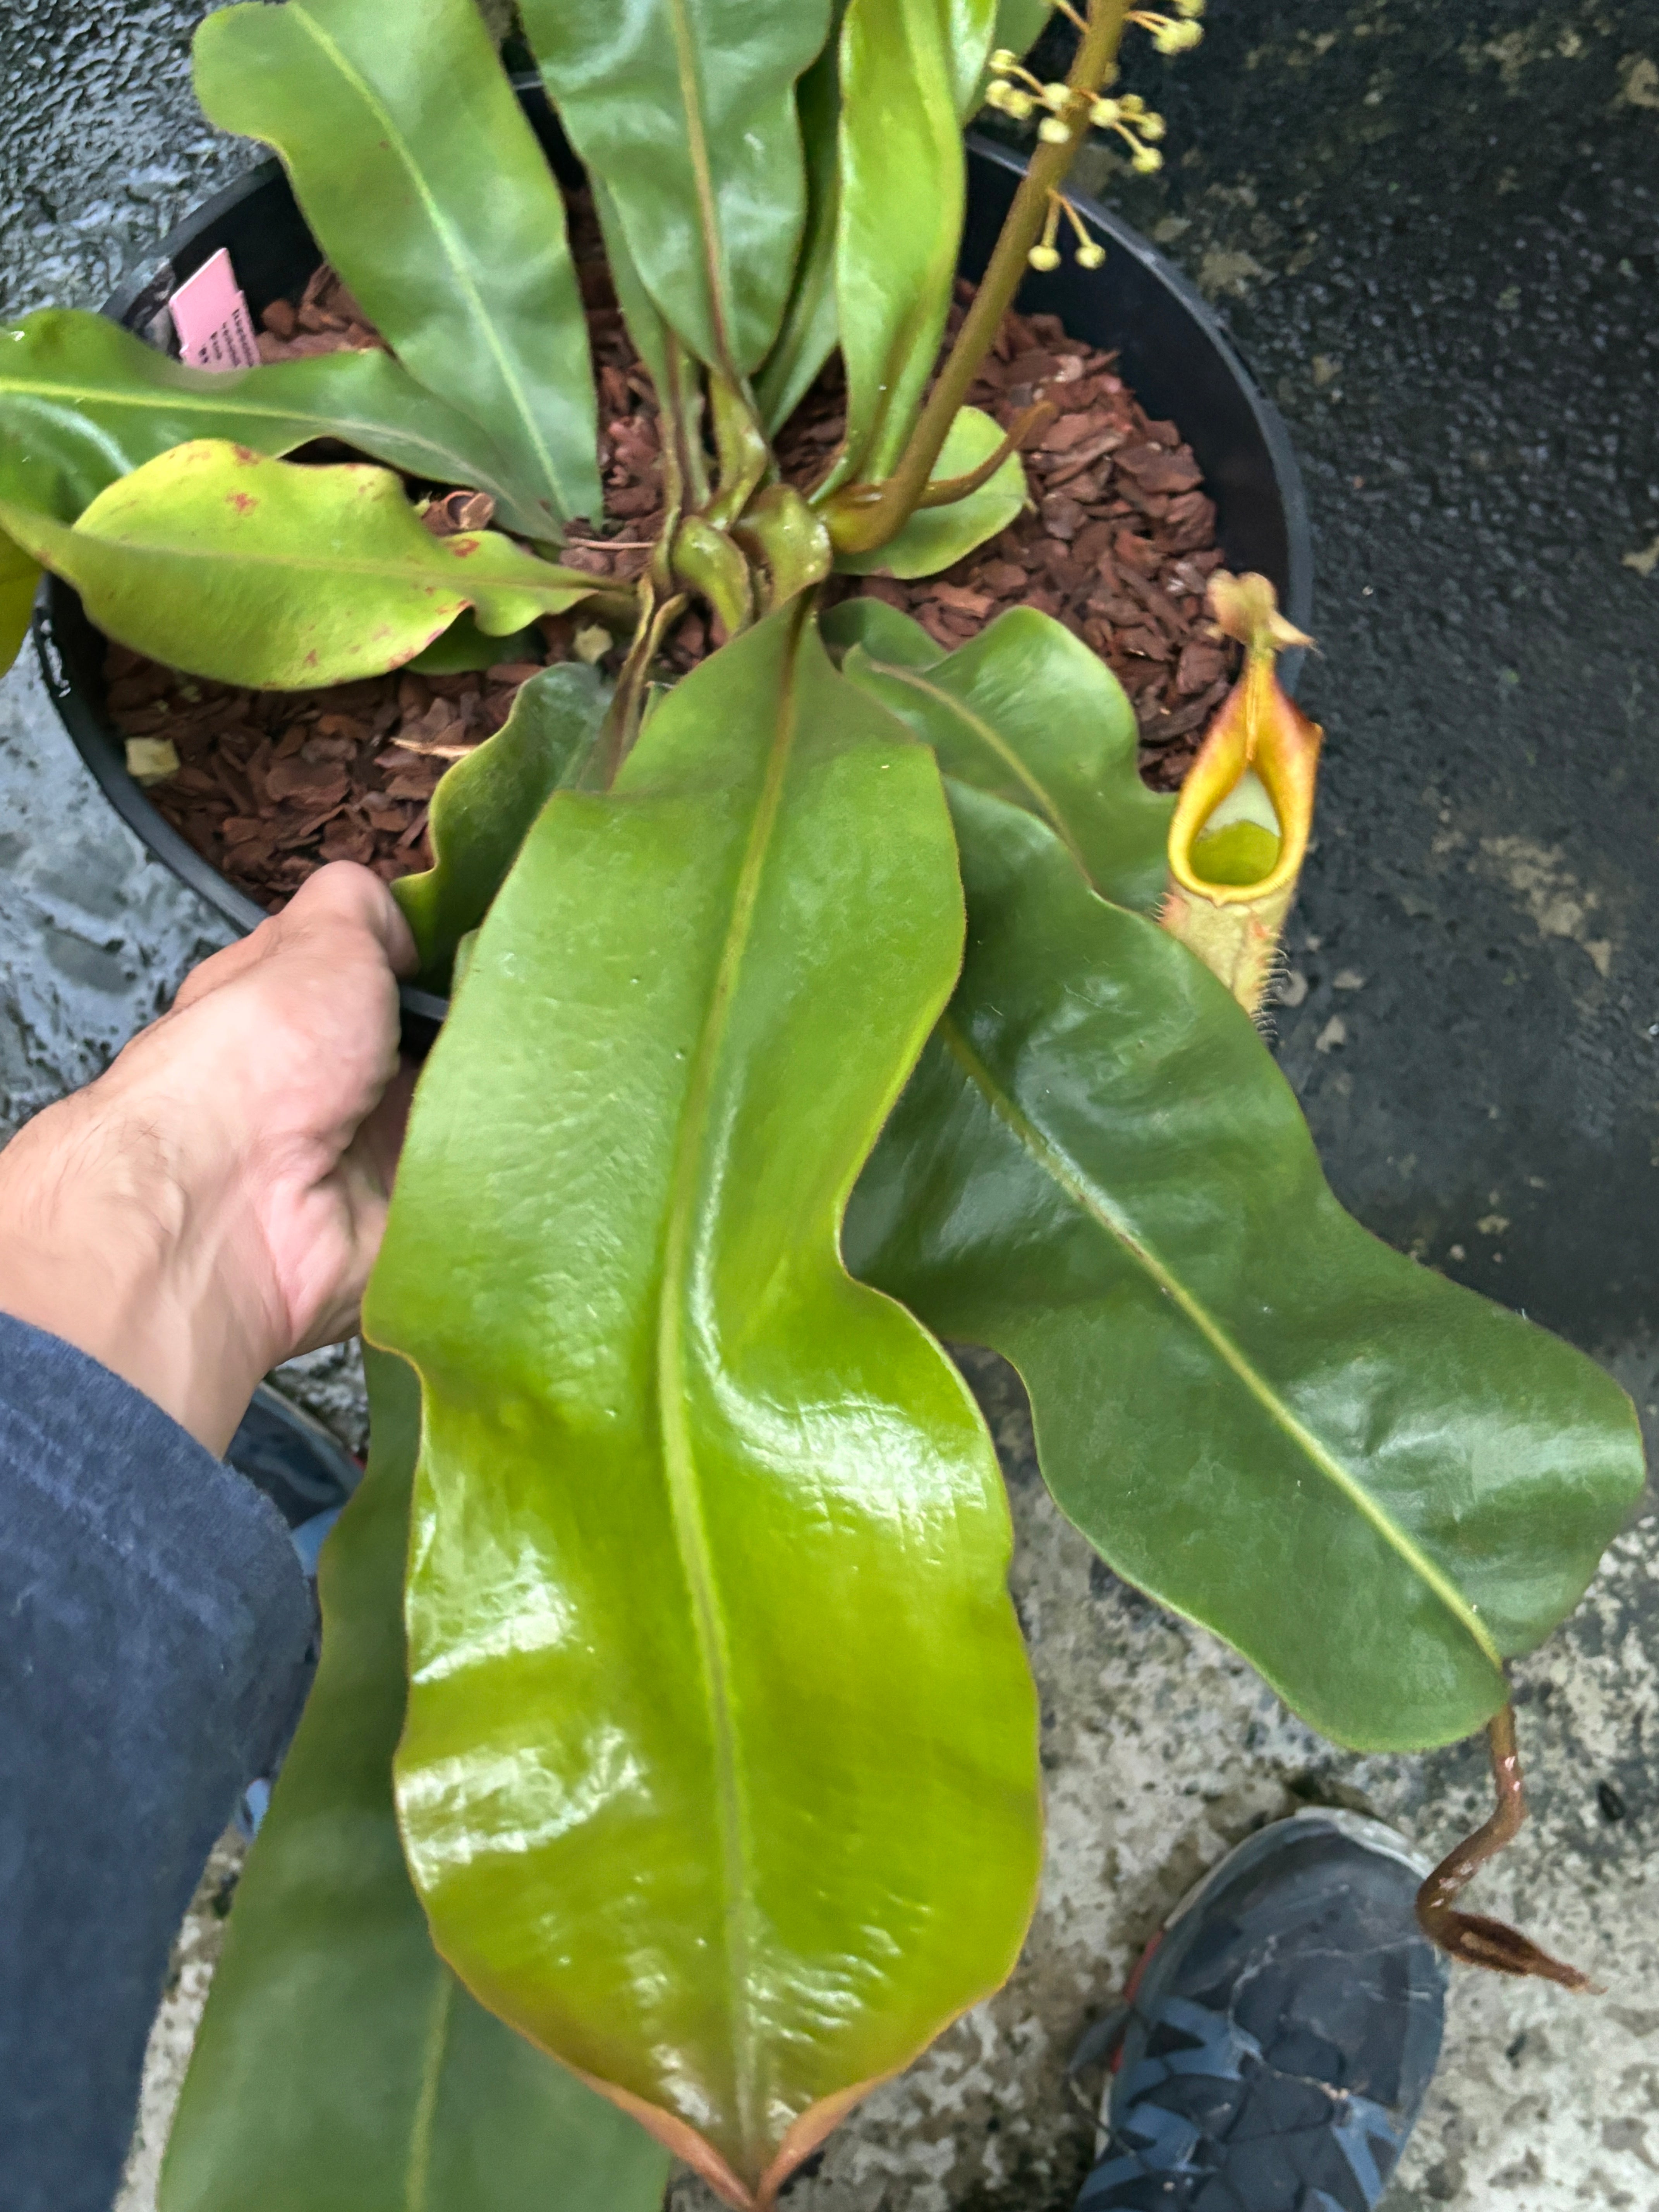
{"x": 343, "y": 896}
{"x": 339, "y": 900}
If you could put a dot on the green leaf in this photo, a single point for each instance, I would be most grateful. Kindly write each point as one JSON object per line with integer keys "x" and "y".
{"x": 1021, "y": 23}
{"x": 884, "y": 632}
{"x": 216, "y": 560}
{"x": 425, "y": 186}
{"x": 807, "y": 337}
{"x": 1372, "y": 1483}
{"x": 936, "y": 536}
{"x": 463, "y": 647}
{"x": 903, "y": 191}
{"x": 484, "y": 806}
{"x": 339, "y": 2066}
{"x": 83, "y": 402}
{"x": 20, "y": 579}
{"x": 720, "y": 1778}
{"x": 685, "y": 109}
{"x": 1028, "y": 713}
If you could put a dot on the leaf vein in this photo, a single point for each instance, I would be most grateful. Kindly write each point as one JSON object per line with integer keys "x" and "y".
{"x": 998, "y": 746}
{"x": 1094, "y": 1203}
{"x": 454, "y": 253}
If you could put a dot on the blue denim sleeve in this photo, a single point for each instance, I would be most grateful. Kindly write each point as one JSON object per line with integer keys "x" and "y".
{"x": 155, "y": 1627}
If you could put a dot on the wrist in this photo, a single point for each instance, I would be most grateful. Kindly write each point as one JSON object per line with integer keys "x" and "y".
{"x": 112, "y": 1241}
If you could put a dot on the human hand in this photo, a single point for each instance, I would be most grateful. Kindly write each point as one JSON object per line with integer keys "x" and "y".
{"x": 214, "y": 1203}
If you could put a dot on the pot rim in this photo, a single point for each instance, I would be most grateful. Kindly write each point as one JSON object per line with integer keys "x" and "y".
{"x": 139, "y": 299}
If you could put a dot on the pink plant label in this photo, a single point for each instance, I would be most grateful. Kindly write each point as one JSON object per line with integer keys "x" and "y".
{"x": 211, "y": 317}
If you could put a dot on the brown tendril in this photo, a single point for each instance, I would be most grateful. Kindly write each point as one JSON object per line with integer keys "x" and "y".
{"x": 1471, "y": 1936}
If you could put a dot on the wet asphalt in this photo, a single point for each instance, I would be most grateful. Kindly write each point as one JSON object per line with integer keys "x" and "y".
{"x": 1433, "y": 231}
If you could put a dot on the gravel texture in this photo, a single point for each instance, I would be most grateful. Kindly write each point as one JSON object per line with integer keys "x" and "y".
{"x": 1435, "y": 231}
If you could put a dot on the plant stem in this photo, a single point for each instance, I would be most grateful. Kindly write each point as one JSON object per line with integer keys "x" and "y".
{"x": 873, "y": 525}
{"x": 1470, "y": 1936}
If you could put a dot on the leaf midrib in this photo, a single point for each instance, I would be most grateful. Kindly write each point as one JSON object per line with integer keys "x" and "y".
{"x": 1053, "y": 813}
{"x": 1094, "y": 1203}
{"x": 417, "y": 2165}
{"x": 408, "y": 572}
{"x": 456, "y": 259}
{"x": 208, "y": 403}
{"x": 696, "y": 144}
{"x": 691, "y": 1534}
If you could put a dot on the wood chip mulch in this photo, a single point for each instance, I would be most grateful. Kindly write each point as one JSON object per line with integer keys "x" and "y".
{"x": 1118, "y": 547}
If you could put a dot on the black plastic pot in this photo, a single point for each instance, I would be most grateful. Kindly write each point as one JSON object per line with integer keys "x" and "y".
{"x": 1174, "y": 357}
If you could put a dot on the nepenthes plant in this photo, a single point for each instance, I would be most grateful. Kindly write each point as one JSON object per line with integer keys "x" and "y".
{"x": 673, "y": 1736}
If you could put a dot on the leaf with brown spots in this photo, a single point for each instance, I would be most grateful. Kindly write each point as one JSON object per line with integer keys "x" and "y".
{"x": 216, "y": 560}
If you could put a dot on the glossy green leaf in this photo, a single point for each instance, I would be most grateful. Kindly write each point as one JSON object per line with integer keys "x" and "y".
{"x": 83, "y": 402}
{"x": 685, "y": 109}
{"x": 20, "y": 579}
{"x": 903, "y": 192}
{"x": 464, "y": 648}
{"x": 484, "y": 808}
{"x": 936, "y": 536}
{"x": 884, "y": 632}
{"x": 215, "y": 559}
{"x": 339, "y": 2066}
{"x": 1373, "y": 1484}
{"x": 425, "y": 186}
{"x": 719, "y": 1774}
{"x": 1027, "y": 712}
{"x": 807, "y": 336}
{"x": 1021, "y": 23}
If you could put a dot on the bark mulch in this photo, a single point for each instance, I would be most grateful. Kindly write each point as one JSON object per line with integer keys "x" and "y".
{"x": 1118, "y": 546}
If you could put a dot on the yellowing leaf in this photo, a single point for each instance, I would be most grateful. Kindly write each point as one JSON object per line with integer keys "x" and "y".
{"x": 213, "y": 559}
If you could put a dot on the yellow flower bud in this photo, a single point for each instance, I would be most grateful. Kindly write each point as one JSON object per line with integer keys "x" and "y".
{"x": 1056, "y": 96}
{"x": 1104, "y": 113}
{"x": 1044, "y": 258}
{"x": 1147, "y": 160}
{"x": 1151, "y": 128}
{"x": 1019, "y": 105}
{"x": 1091, "y": 255}
{"x": 1003, "y": 61}
{"x": 1053, "y": 132}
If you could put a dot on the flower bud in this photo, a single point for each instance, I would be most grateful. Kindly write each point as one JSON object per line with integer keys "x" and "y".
{"x": 1091, "y": 256}
{"x": 1053, "y": 132}
{"x": 1044, "y": 258}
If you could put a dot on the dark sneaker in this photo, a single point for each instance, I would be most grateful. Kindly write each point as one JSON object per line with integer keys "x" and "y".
{"x": 1279, "y": 2036}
